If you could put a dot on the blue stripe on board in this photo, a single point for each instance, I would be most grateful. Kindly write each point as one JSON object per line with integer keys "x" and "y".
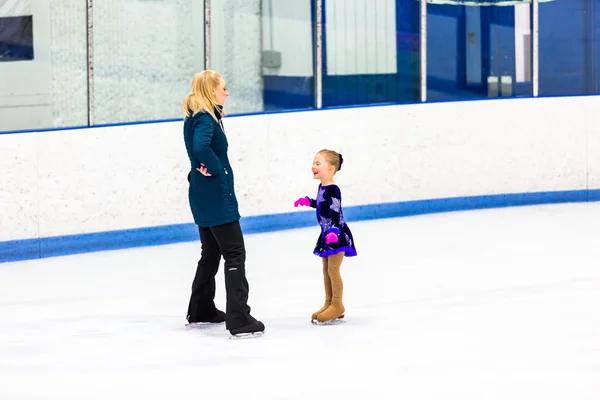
{"x": 27, "y": 249}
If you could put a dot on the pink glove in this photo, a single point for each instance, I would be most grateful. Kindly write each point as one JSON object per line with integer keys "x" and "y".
{"x": 331, "y": 238}
{"x": 303, "y": 201}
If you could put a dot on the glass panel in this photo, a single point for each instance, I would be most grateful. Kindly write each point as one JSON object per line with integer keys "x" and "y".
{"x": 145, "y": 55}
{"x": 371, "y": 52}
{"x": 43, "y": 64}
{"x": 478, "y": 51}
{"x": 569, "y": 47}
{"x": 263, "y": 49}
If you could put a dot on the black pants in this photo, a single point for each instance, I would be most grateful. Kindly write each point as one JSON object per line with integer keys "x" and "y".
{"x": 227, "y": 241}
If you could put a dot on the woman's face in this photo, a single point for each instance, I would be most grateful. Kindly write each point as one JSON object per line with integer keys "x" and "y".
{"x": 221, "y": 93}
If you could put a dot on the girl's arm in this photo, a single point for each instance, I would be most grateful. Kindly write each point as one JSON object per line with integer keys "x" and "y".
{"x": 334, "y": 208}
{"x": 305, "y": 201}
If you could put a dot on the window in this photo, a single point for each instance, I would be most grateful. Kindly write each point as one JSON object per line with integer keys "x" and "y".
{"x": 478, "y": 51}
{"x": 264, "y": 50}
{"x": 145, "y": 56}
{"x": 372, "y": 52}
{"x": 569, "y": 47}
{"x": 43, "y": 64}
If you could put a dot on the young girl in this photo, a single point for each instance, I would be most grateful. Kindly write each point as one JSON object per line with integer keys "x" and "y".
{"x": 335, "y": 239}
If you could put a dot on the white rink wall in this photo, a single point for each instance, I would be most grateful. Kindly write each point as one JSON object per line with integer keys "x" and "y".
{"x": 80, "y": 181}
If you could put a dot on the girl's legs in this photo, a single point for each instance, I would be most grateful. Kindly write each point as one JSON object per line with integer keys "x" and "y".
{"x": 327, "y": 283}
{"x": 336, "y": 308}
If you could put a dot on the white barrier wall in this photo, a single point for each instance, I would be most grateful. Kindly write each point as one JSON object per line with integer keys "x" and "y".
{"x": 80, "y": 181}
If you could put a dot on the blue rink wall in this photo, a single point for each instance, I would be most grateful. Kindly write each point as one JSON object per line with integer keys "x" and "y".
{"x": 112, "y": 187}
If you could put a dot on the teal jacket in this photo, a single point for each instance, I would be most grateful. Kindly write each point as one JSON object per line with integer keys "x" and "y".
{"x": 212, "y": 198}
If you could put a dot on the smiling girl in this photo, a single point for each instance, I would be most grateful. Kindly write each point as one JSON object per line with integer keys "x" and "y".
{"x": 335, "y": 239}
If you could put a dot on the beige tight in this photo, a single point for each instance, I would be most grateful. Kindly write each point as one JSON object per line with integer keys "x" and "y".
{"x": 334, "y": 289}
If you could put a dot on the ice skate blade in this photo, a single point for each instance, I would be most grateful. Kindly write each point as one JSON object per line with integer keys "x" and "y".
{"x": 249, "y": 335}
{"x": 203, "y": 325}
{"x": 336, "y": 321}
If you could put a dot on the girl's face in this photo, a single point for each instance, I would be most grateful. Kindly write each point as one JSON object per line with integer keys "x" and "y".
{"x": 322, "y": 169}
{"x": 221, "y": 93}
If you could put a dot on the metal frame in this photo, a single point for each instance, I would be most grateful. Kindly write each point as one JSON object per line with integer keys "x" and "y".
{"x": 90, "y": 61}
{"x": 318, "y": 58}
{"x": 423, "y": 50}
{"x": 206, "y": 34}
{"x": 535, "y": 38}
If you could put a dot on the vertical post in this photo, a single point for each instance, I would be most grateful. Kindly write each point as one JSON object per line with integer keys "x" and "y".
{"x": 423, "y": 50}
{"x": 90, "y": 62}
{"x": 592, "y": 85}
{"x": 535, "y": 37}
{"x": 318, "y": 63}
{"x": 206, "y": 34}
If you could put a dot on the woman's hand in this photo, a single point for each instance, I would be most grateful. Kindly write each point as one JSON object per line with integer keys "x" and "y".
{"x": 203, "y": 170}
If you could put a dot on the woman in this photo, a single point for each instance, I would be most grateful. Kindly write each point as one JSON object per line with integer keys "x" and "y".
{"x": 215, "y": 209}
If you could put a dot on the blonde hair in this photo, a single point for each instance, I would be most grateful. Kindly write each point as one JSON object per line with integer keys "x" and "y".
{"x": 333, "y": 158}
{"x": 202, "y": 97}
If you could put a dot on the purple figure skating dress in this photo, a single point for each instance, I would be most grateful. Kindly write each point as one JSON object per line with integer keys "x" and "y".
{"x": 331, "y": 220}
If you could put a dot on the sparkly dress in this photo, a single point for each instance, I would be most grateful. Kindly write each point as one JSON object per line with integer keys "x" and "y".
{"x": 331, "y": 219}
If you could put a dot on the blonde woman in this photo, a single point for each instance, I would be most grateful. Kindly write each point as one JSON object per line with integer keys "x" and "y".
{"x": 215, "y": 210}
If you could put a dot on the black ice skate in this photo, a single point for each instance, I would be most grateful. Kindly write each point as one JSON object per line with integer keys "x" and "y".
{"x": 254, "y": 329}
{"x": 217, "y": 318}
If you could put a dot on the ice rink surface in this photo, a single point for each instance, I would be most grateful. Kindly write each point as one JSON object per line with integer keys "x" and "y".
{"x": 499, "y": 304}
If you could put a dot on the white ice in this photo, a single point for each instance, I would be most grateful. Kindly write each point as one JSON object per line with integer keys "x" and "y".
{"x": 482, "y": 305}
